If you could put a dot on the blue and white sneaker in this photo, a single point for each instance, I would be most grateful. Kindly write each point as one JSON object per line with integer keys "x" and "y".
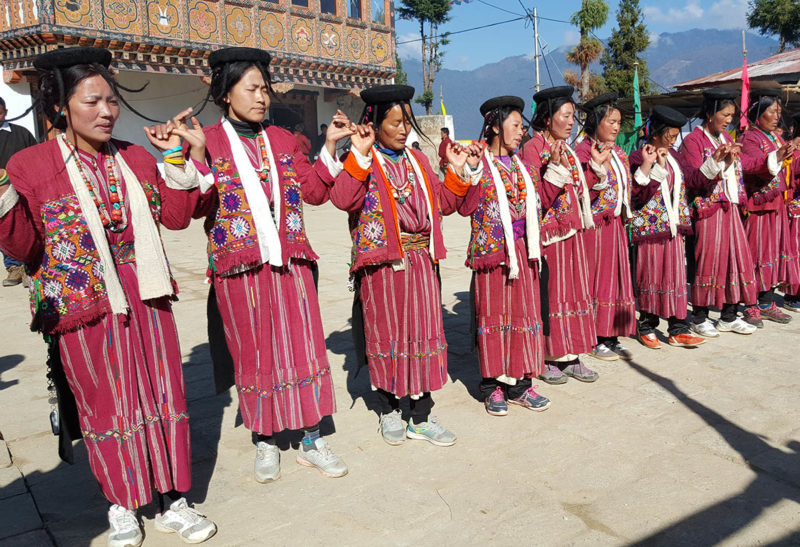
{"x": 496, "y": 403}
{"x": 431, "y": 431}
{"x": 532, "y": 400}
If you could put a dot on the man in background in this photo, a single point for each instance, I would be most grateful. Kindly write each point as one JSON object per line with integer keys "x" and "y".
{"x": 443, "y": 149}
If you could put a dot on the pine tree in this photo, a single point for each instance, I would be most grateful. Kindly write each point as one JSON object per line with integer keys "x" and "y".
{"x": 781, "y": 17}
{"x": 591, "y": 16}
{"x": 626, "y": 44}
{"x": 400, "y": 77}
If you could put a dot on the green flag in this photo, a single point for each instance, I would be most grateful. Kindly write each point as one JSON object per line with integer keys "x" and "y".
{"x": 637, "y": 103}
{"x": 627, "y": 141}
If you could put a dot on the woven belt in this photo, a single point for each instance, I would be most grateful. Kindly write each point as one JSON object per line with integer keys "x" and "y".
{"x": 415, "y": 242}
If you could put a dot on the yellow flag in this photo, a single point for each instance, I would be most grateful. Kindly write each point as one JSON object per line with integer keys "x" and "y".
{"x": 444, "y": 112}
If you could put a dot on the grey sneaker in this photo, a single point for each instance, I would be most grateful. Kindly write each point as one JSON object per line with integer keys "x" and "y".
{"x": 580, "y": 372}
{"x": 496, "y": 403}
{"x": 552, "y": 375}
{"x": 268, "y": 462}
{"x": 323, "y": 458}
{"x": 431, "y": 431}
{"x": 602, "y": 351}
{"x": 738, "y": 325}
{"x": 532, "y": 400}
{"x": 190, "y": 525}
{"x": 706, "y": 329}
{"x": 392, "y": 428}
{"x": 125, "y": 530}
{"x": 623, "y": 352}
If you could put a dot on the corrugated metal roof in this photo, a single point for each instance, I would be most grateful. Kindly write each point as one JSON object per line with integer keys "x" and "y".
{"x": 773, "y": 67}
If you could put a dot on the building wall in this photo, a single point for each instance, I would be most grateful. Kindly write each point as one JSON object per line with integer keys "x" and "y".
{"x": 18, "y": 99}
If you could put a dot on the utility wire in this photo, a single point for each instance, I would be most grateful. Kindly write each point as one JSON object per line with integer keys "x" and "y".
{"x": 467, "y": 29}
{"x": 498, "y": 7}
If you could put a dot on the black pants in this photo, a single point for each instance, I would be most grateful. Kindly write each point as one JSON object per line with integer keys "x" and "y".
{"x": 727, "y": 314}
{"x": 607, "y": 339}
{"x": 420, "y": 408}
{"x": 648, "y": 323}
{"x": 488, "y": 385}
{"x": 765, "y": 298}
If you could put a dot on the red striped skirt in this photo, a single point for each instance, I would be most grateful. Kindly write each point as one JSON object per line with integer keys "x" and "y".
{"x": 273, "y": 329}
{"x": 405, "y": 343}
{"x": 794, "y": 231}
{"x": 126, "y": 375}
{"x": 572, "y": 327}
{"x": 661, "y": 277}
{"x": 610, "y": 272}
{"x": 725, "y": 271}
{"x": 508, "y": 312}
{"x": 774, "y": 252}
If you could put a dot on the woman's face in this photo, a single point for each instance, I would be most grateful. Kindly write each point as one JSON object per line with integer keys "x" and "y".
{"x": 395, "y": 128}
{"x": 608, "y": 128}
{"x": 666, "y": 139}
{"x": 561, "y": 123}
{"x": 91, "y": 113}
{"x": 768, "y": 120}
{"x": 513, "y": 130}
{"x": 720, "y": 121}
{"x": 248, "y": 99}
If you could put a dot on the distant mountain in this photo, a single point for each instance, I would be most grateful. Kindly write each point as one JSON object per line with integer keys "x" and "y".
{"x": 671, "y": 58}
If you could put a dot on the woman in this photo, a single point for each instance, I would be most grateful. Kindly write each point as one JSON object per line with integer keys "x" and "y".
{"x": 83, "y": 212}
{"x": 608, "y": 175}
{"x": 791, "y": 300}
{"x": 261, "y": 262}
{"x": 567, "y": 213}
{"x": 766, "y": 160}
{"x": 395, "y": 204}
{"x": 661, "y": 219}
{"x": 724, "y": 271}
{"x": 505, "y": 289}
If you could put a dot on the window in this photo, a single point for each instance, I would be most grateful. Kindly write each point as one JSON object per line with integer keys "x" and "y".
{"x": 327, "y": 6}
{"x": 379, "y": 12}
{"x": 301, "y": 3}
{"x": 354, "y": 9}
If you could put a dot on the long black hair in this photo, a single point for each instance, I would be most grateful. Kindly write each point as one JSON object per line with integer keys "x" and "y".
{"x": 376, "y": 113}
{"x": 226, "y": 75}
{"x": 497, "y": 117}
{"x": 544, "y": 112}
{"x": 711, "y": 106}
{"x": 758, "y": 107}
{"x": 595, "y": 116}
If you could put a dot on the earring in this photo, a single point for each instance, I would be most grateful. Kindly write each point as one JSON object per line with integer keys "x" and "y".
{"x": 62, "y": 113}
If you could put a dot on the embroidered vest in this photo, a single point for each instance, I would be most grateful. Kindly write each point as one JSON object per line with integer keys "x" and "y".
{"x": 232, "y": 239}
{"x": 604, "y": 204}
{"x": 651, "y": 222}
{"x": 773, "y": 188}
{"x": 562, "y": 216}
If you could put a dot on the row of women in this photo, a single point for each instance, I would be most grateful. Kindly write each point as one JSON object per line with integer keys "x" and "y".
{"x": 548, "y": 248}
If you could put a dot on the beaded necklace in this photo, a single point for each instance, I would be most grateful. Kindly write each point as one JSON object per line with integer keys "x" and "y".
{"x": 263, "y": 171}
{"x": 505, "y": 176}
{"x": 116, "y": 221}
{"x": 402, "y": 193}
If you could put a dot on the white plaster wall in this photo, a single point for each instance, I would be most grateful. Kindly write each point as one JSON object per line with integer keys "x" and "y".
{"x": 18, "y": 99}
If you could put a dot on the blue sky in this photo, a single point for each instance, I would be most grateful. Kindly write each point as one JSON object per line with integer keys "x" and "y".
{"x": 473, "y": 49}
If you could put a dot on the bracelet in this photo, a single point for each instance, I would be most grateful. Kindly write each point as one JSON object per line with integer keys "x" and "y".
{"x": 175, "y": 161}
{"x": 171, "y": 151}
{"x": 4, "y": 177}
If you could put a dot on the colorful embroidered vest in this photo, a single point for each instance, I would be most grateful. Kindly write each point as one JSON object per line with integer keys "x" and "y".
{"x": 562, "y": 216}
{"x": 651, "y": 222}
{"x": 603, "y": 205}
{"x": 232, "y": 239}
{"x": 774, "y": 187}
{"x": 705, "y": 203}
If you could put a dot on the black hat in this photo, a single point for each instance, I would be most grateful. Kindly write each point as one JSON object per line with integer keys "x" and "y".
{"x": 235, "y": 54}
{"x": 499, "y": 102}
{"x": 71, "y": 56}
{"x": 553, "y": 93}
{"x": 756, "y": 94}
{"x": 600, "y": 100}
{"x": 720, "y": 94}
{"x": 668, "y": 116}
{"x": 385, "y": 94}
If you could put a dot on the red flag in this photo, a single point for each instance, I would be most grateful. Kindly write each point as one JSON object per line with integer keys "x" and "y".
{"x": 745, "y": 95}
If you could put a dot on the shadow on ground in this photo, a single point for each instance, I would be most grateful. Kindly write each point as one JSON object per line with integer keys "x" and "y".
{"x": 7, "y": 362}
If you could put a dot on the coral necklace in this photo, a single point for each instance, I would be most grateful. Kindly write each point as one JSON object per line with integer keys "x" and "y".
{"x": 115, "y": 221}
{"x": 402, "y": 192}
{"x": 263, "y": 172}
{"x": 505, "y": 175}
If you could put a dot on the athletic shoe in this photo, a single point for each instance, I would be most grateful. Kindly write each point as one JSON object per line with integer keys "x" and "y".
{"x": 431, "y": 431}
{"x": 125, "y": 530}
{"x": 580, "y": 372}
{"x": 773, "y": 313}
{"x": 705, "y": 329}
{"x": 16, "y": 275}
{"x": 623, "y": 352}
{"x": 650, "y": 341}
{"x": 552, "y": 375}
{"x": 752, "y": 315}
{"x": 602, "y": 351}
{"x": 190, "y": 525}
{"x": 268, "y": 462}
{"x": 496, "y": 403}
{"x": 392, "y": 428}
{"x": 791, "y": 305}
{"x": 685, "y": 340}
{"x": 532, "y": 400}
{"x": 323, "y": 458}
{"x": 738, "y": 325}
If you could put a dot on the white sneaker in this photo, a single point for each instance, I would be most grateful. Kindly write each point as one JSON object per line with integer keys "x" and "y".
{"x": 191, "y": 526}
{"x": 323, "y": 458}
{"x": 738, "y": 325}
{"x": 706, "y": 329}
{"x": 125, "y": 530}
{"x": 268, "y": 462}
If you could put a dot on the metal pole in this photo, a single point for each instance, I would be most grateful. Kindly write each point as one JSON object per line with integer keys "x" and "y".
{"x": 536, "y": 46}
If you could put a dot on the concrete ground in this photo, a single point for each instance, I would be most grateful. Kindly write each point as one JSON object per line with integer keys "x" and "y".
{"x": 678, "y": 447}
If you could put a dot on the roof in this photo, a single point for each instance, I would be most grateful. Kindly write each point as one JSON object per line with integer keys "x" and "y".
{"x": 786, "y": 64}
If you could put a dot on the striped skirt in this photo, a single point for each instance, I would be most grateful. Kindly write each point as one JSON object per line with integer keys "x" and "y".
{"x": 725, "y": 273}
{"x": 126, "y": 375}
{"x": 405, "y": 343}
{"x": 509, "y": 321}
{"x": 794, "y": 231}
{"x": 572, "y": 327}
{"x": 661, "y": 278}
{"x": 773, "y": 250}
{"x": 273, "y": 329}
{"x": 610, "y": 274}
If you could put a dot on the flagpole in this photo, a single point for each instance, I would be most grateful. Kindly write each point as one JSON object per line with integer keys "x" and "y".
{"x": 745, "y": 86}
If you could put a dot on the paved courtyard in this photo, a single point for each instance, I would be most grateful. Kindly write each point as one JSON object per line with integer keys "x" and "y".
{"x": 678, "y": 447}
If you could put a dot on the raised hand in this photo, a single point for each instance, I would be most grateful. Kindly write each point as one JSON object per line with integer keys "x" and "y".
{"x": 475, "y": 153}
{"x": 732, "y": 153}
{"x": 601, "y": 152}
{"x": 662, "y": 154}
{"x": 786, "y": 151}
{"x": 362, "y": 137}
{"x": 720, "y": 153}
{"x": 456, "y": 156}
{"x": 649, "y": 155}
{"x": 168, "y": 135}
{"x": 339, "y": 128}
{"x": 558, "y": 153}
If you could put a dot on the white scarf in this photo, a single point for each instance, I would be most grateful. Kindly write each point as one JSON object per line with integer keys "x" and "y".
{"x": 622, "y": 190}
{"x": 673, "y": 202}
{"x": 531, "y": 214}
{"x": 729, "y": 178}
{"x": 152, "y": 271}
{"x": 432, "y": 249}
{"x": 585, "y": 203}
